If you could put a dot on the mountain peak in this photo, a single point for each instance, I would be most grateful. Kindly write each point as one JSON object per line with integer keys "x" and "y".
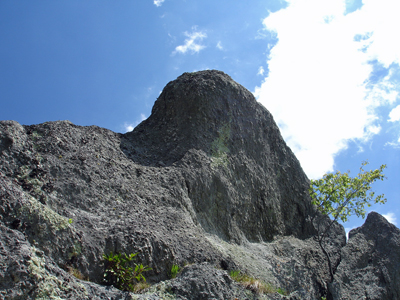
{"x": 205, "y": 110}
{"x": 207, "y": 119}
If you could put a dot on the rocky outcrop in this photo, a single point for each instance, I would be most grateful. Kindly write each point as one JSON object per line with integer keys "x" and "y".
{"x": 243, "y": 181}
{"x": 27, "y": 273}
{"x": 206, "y": 182}
{"x": 370, "y": 265}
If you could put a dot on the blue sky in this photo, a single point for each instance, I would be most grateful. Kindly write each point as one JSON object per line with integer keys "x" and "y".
{"x": 328, "y": 70}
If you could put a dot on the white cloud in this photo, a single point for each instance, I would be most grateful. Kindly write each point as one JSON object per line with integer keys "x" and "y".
{"x": 219, "y": 45}
{"x": 317, "y": 87}
{"x": 394, "y": 115}
{"x": 391, "y": 217}
{"x": 395, "y": 144}
{"x": 261, "y": 71}
{"x": 348, "y": 229}
{"x": 192, "y": 43}
{"x": 158, "y": 2}
{"x": 380, "y": 18}
{"x": 130, "y": 126}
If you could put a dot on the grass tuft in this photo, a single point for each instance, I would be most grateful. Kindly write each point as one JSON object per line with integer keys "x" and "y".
{"x": 76, "y": 273}
{"x": 255, "y": 285}
{"x": 140, "y": 287}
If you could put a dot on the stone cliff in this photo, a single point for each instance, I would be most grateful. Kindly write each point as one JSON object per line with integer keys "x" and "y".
{"x": 206, "y": 181}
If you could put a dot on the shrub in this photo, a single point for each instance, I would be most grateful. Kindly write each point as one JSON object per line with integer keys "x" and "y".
{"x": 119, "y": 272}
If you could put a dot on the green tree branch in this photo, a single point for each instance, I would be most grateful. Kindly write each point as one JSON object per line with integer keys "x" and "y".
{"x": 339, "y": 196}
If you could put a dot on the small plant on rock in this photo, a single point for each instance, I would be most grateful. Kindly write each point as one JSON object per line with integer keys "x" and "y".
{"x": 76, "y": 273}
{"x": 120, "y": 273}
{"x": 282, "y": 292}
{"x": 253, "y": 284}
{"x": 174, "y": 271}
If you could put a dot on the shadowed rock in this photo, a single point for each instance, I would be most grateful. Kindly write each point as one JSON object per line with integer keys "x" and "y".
{"x": 370, "y": 266}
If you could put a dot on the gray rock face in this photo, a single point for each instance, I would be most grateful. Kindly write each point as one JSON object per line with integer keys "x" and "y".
{"x": 204, "y": 281}
{"x": 27, "y": 273}
{"x": 75, "y": 195}
{"x": 207, "y": 181}
{"x": 215, "y": 132}
{"x": 370, "y": 265}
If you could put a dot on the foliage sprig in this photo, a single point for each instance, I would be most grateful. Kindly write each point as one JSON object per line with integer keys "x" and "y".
{"x": 340, "y": 196}
{"x": 174, "y": 271}
{"x": 119, "y": 272}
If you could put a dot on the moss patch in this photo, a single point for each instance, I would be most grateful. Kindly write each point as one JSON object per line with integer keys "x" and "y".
{"x": 35, "y": 210}
{"x": 219, "y": 147}
{"x": 49, "y": 286}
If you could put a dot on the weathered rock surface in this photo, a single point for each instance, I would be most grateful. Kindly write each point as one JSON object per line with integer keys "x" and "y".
{"x": 204, "y": 281}
{"x": 370, "y": 265}
{"x": 242, "y": 179}
{"x": 206, "y": 181}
